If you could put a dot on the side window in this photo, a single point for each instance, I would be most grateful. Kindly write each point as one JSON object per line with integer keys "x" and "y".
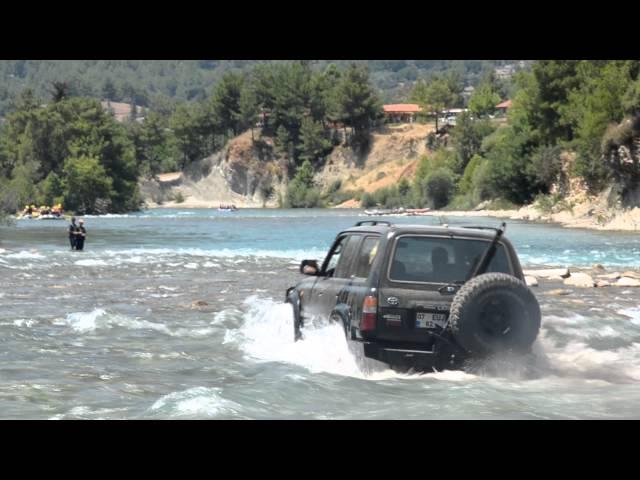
{"x": 334, "y": 256}
{"x": 344, "y": 269}
{"x": 367, "y": 254}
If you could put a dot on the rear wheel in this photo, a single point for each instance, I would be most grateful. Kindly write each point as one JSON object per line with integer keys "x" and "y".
{"x": 494, "y": 313}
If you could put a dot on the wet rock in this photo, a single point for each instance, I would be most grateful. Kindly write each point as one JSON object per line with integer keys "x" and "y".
{"x": 551, "y": 272}
{"x": 611, "y": 276}
{"x": 531, "y": 281}
{"x": 558, "y": 291}
{"x": 631, "y": 274}
{"x": 199, "y": 303}
{"x": 579, "y": 280}
{"x": 602, "y": 283}
{"x": 598, "y": 266}
{"x": 555, "y": 279}
{"x": 627, "y": 282}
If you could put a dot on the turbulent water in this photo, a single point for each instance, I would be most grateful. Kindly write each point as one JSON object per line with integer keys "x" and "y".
{"x": 121, "y": 330}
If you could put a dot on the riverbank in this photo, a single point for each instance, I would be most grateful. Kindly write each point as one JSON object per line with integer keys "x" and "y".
{"x": 583, "y": 216}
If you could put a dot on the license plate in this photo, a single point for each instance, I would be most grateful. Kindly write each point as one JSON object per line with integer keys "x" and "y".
{"x": 430, "y": 320}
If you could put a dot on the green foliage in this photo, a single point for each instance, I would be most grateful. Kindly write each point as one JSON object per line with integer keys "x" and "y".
{"x": 546, "y": 165}
{"x": 438, "y": 93}
{"x": 358, "y": 104}
{"x": 52, "y": 189}
{"x": 509, "y": 175}
{"x": 302, "y": 191}
{"x": 178, "y": 197}
{"x": 335, "y": 195}
{"x": 554, "y": 81}
{"x": 87, "y": 185}
{"x": 190, "y": 136}
{"x": 437, "y": 188}
{"x": 467, "y": 139}
{"x": 441, "y": 158}
{"x": 484, "y": 100}
{"x": 225, "y": 104}
{"x": 593, "y": 106}
{"x": 38, "y": 142}
{"x": 314, "y": 142}
{"x": 468, "y": 180}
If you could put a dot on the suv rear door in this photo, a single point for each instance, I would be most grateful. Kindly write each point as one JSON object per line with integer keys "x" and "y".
{"x": 411, "y": 307}
{"x": 353, "y": 292}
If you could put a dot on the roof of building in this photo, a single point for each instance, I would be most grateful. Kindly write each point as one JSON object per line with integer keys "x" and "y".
{"x": 120, "y": 110}
{"x": 505, "y": 104}
{"x": 402, "y": 108}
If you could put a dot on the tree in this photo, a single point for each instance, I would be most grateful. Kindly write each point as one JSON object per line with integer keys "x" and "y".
{"x": 248, "y": 108}
{"x": 467, "y": 138}
{"x": 186, "y": 128}
{"x": 109, "y": 91}
{"x": 555, "y": 79}
{"x": 59, "y": 91}
{"x": 225, "y": 103}
{"x": 592, "y": 107}
{"x": 440, "y": 187}
{"x": 301, "y": 191}
{"x": 86, "y": 182}
{"x": 435, "y": 95}
{"x": 314, "y": 142}
{"x": 484, "y": 100}
{"x": 358, "y": 103}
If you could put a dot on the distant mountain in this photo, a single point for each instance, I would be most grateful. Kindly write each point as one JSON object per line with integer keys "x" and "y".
{"x": 148, "y": 82}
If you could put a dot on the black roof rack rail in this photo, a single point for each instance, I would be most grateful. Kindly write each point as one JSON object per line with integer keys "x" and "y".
{"x": 502, "y": 227}
{"x": 372, "y": 222}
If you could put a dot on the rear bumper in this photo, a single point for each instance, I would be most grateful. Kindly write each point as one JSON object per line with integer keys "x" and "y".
{"x": 437, "y": 358}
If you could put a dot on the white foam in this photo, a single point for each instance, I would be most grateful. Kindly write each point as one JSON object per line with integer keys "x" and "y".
{"x": 25, "y": 255}
{"x": 24, "y": 323}
{"x": 83, "y": 322}
{"x": 578, "y": 359}
{"x": 196, "y": 402}
{"x": 579, "y": 326}
{"x": 633, "y": 313}
{"x": 267, "y": 335}
{"x": 91, "y": 263}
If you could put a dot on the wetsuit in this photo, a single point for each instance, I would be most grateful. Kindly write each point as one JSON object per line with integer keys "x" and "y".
{"x": 73, "y": 228}
{"x": 80, "y": 238}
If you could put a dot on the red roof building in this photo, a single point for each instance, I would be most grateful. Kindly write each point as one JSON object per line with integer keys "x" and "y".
{"x": 504, "y": 105}
{"x": 401, "y": 112}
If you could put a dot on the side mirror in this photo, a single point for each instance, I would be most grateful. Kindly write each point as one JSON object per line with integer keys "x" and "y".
{"x": 309, "y": 267}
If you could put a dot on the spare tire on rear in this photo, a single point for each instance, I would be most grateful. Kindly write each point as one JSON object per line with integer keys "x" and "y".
{"x": 493, "y": 313}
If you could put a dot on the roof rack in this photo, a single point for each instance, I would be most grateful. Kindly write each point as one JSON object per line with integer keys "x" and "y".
{"x": 372, "y": 222}
{"x": 502, "y": 227}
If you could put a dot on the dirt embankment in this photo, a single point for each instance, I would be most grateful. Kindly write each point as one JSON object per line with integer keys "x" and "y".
{"x": 239, "y": 172}
{"x": 237, "y": 175}
{"x": 394, "y": 154}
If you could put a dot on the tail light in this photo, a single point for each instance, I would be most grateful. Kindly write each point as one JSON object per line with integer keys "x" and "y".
{"x": 369, "y": 313}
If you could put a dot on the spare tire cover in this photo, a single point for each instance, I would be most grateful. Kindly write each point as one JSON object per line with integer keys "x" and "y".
{"x": 495, "y": 312}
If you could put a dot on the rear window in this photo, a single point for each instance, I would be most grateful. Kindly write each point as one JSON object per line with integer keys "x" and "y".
{"x": 441, "y": 260}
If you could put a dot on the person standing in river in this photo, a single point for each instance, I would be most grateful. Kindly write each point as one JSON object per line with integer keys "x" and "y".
{"x": 73, "y": 233}
{"x": 81, "y": 235}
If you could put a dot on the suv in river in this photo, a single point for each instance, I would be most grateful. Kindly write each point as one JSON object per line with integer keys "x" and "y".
{"x": 421, "y": 297}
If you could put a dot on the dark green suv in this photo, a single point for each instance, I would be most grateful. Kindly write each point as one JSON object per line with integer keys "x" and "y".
{"x": 421, "y": 297}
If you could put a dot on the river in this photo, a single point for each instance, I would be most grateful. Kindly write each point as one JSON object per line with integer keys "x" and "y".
{"x": 178, "y": 313}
